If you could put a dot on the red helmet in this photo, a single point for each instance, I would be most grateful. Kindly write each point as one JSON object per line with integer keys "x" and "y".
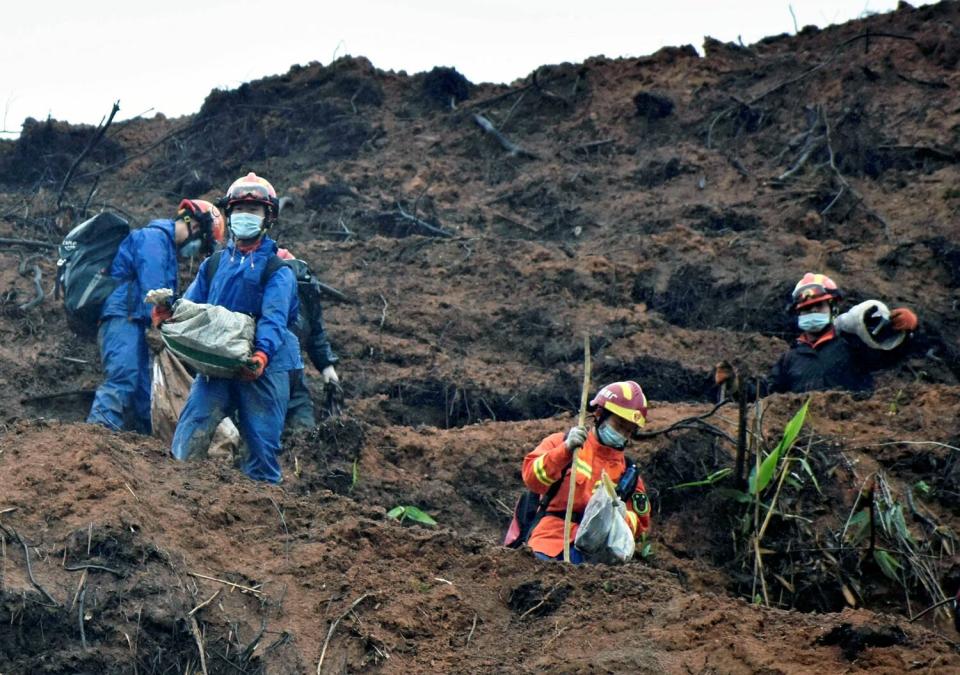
{"x": 212, "y": 223}
{"x": 623, "y": 399}
{"x": 813, "y": 289}
{"x": 253, "y": 188}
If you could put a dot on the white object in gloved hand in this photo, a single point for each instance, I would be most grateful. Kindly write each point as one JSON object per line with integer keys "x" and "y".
{"x": 854, "y": 321}
{"x": 576, "y": 437}
{"x": 159, "y": 296}
{"x": 330, "y": 375}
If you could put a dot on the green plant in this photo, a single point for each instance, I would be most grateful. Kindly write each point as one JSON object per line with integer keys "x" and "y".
{"x": 714, "y": 477}
{"x": 355, "y": 474}
{"x": 761, "y": 476}
{"x": 402, "y": 513}
{"x": 646, "y": 547}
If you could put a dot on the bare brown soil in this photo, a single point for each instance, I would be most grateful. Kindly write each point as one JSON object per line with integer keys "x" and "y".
{"x": 655, "y": 215}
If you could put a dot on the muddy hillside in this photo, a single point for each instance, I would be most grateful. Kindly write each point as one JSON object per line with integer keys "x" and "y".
{"x": 665, "y": 205}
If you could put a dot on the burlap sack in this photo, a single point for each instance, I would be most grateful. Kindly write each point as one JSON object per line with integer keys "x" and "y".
{"x": 211, "y": 339}
{"x": 171, "y": 386}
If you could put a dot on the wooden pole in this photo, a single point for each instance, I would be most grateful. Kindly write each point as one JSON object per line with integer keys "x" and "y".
{"x": 572, "y": 475}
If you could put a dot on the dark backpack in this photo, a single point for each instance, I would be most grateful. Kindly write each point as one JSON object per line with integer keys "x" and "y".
{"x": 83, "y": 270}
{"x": 531, "y": 507}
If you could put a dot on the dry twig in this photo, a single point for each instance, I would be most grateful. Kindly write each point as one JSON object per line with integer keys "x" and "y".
{"x": 333, "y": 627}
{"x": 508, "y": 145}
{"x": 97, "y": 136}
{"x": 245, "y": 589}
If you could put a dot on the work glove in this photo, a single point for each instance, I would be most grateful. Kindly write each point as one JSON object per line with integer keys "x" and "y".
{"x": 254, "y": 367}
{"x": 576, "y": 437}
{"x": 154, "y": 340}
{"x": 903, "y": 319}
{"x": 330, "y": 375}
{"x": 159, "y": 314}
{"x": 723, "y": 372}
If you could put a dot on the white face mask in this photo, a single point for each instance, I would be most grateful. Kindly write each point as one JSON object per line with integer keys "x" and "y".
{"x": 245, "y": 225}
{"x": 813, "y": 322}
{"x": 610, "y": 437}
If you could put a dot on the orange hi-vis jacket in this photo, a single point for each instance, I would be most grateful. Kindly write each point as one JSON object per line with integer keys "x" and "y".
{"x": 544, "y": 466}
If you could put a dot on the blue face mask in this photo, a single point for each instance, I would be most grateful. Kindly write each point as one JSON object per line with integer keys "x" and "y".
{"x": 190, "y": 249}
{"x": 245, "y": 225}
{"x": 813, "y": 322}
{"x": 610, "y": 437}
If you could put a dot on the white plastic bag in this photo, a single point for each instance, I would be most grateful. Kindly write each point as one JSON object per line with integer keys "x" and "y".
{"x": 603, "y": 535}
{"x": 620, "y": 542}
{"x": 595, "y": 524}
{"x": 210, "y": 338}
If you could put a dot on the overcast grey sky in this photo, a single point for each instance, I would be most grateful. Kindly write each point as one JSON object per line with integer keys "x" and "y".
{"x": 71, "y": 60}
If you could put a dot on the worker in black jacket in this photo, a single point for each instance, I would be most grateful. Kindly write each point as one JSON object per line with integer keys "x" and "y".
{"x": 311, "y": 332}
{"x": 835, "y": 351}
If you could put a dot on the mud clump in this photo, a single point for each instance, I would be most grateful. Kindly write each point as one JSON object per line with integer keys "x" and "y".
{"x": 854, "y": 639}
{"x": 652, "y": 106}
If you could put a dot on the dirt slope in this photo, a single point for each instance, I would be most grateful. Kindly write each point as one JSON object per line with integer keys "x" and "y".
{"x": 664, "y": 204}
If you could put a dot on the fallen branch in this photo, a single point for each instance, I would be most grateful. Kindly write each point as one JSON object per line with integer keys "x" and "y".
{"x": 422, "y": 224}
{"x": 862, "y": 36}
{"x": 945, "y": 601}
{"x": 506, "y": 143}
{"x": 333, "y": 627}
{"x": 59, "y": 394}
{"x": 89, "y": 566}
{"x": 97, "y": 136}
{"x": 204, "y": 603}
{"x": 472, "y": 628}
{"x": 36, "y": 584}
{"x": 844, "y": 182}
{"x": 540, "y": 604}
{"x": 547, "y": 93}
{"x": 83, "y": 636}
{"x": 198, "y": 637}
{"x": 685, "y": 422}
{"x": 333, "y": 292}
{"x": 245, "y": 589}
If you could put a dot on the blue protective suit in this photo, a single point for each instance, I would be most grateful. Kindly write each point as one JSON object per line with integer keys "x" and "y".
{"x": 261, "y": 405}
{"x": 146, "y": 259}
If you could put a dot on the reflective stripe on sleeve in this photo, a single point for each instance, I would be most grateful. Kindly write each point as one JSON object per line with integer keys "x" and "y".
{"x": 540, "y": 472}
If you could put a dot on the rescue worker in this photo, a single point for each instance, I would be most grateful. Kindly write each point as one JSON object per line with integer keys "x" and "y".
{"x": 145, "y": 260}
{"x": 619, "y": 410}
{"x": 835, "y": 351}
{"x": 260, "y": 395}
{"x": 312, "y": 335}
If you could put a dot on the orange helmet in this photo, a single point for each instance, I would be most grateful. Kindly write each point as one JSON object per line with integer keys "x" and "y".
{"x": 253, "y": 188}
{"x": 212, "y": 223}
{"x": 623, "y": 399}
{"x": 813, "y": 289}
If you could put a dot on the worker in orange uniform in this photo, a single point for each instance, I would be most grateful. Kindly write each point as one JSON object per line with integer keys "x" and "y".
{"x": 619, "y": 410}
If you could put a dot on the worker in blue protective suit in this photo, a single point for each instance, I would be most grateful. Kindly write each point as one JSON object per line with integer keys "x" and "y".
{"x": 145, "y": 260}
{"x": 258, "y": 398}
{"x": 312, "y": 335}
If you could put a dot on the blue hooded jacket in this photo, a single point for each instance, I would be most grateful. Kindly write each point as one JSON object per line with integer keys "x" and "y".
{"x": 146, "y": 259}
{"x": 236, "y": 286}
